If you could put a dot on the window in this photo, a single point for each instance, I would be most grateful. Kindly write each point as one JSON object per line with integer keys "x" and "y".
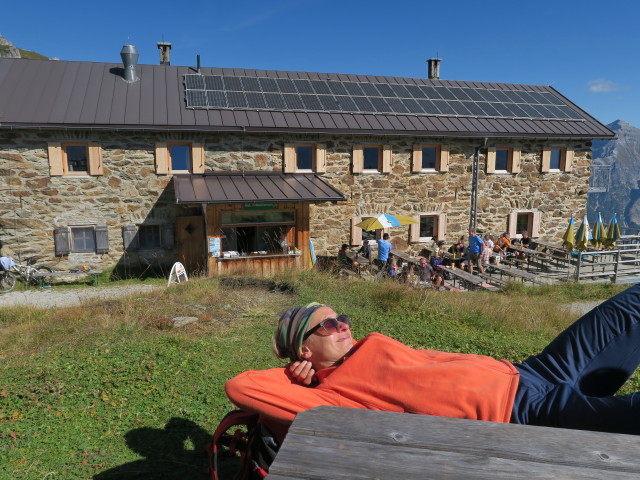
{"x": 148, "y": 236}
{"x": 75, "y": 159}
{"x": 431, "y": 226}
{"x": 357, "y": 235}
{"x": 304, "y": 157}
{"x": 557, "y": 159}
{"x": 81, "y": 239}
{"x": 371, "y": 159}
{"x": 179, "y": 157}
{"x": 430, "y": 158}
{"x": 247, "y": 232}
{"x": 521, "y": 220}
{"x": 503, "y": 160}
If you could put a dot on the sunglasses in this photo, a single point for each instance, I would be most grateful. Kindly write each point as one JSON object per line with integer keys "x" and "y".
{"x": 329, "y": 325}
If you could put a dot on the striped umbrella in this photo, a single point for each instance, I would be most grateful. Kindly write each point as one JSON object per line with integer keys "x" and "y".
{"x": 569, "y": 237}
{"x": 613, "y": 233}
{"x": 584, "y": 235}
{"x": 599, "y": 233}
{"x": 385, "y": 221}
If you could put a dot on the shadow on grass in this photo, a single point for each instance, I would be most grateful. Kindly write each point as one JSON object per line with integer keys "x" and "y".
{"x": 176, "y": 452}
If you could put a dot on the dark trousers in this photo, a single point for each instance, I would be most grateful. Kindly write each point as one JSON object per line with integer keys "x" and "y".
{"x": 572, "y": 382}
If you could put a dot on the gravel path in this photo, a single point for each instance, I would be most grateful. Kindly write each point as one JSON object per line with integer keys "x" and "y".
{"x": 51, "y": 297}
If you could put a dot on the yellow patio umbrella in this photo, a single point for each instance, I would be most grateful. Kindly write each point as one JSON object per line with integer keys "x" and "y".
{"x": 599, "y": 233}
{"x": 584, "y": 235}
{"x": 613, "y": 233}
{"x": 385, "y": 221}
{"x": 569, "y": 237}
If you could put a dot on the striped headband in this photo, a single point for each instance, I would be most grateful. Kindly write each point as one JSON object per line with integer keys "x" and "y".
{"x": 289, "y": 335}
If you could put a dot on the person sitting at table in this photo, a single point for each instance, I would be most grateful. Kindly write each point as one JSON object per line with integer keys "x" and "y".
{"x": 343, "y": 260}
{"x": 428, "y": 275}
{"x": 570, "y": 384}
{"x": 459, "y": 252}
{"x": 392, "y": 267}
{"x": 365, "y": 250}
{"x": 502, "y": 244}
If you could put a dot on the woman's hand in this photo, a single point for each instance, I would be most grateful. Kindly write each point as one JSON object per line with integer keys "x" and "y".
{"x": 302, "y": 372}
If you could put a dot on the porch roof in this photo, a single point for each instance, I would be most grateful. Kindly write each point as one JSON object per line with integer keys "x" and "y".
{"x": 251, "y": 187}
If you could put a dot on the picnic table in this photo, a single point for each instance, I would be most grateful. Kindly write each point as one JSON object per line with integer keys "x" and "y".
{"x": 468, "y": 279}
{"x": 345, "y": 443}
{"x": 513, "y": 272}
{"x": 93, "y": 274}
{"x": 363, "y": 263}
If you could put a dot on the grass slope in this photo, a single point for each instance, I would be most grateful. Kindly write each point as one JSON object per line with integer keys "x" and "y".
{"x": 109, "y": 391}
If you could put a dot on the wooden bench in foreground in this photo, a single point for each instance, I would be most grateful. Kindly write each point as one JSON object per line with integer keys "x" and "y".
{"x": 345, "y": 443}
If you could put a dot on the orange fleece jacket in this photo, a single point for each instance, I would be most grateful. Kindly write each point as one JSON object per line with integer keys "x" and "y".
{"x": 383, "y": 374}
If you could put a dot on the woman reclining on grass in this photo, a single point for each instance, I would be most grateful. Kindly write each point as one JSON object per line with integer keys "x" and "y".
{"x": 570, "y": 384}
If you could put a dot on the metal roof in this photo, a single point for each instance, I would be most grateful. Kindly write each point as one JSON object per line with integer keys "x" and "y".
{"x": 251, "y": 187}
{"x": 61, "y": 94}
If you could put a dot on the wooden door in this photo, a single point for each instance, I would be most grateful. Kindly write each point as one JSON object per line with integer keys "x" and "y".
{"x": 191, "y": 244}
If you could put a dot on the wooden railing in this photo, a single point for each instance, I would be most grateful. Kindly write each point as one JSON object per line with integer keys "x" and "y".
{"x": 617, "y": 266}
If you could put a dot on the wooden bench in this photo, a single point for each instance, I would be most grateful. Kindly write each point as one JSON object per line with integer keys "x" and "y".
{"x": 516, "y": 273}
{"x": 470, "y": 280}
{"x": 353, "y": 444}
{"x": 42, "y": 276}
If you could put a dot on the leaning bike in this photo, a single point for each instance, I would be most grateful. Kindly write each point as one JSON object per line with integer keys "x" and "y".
{"x": 31, "y": 275}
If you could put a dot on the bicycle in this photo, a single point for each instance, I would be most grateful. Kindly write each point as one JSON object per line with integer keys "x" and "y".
{"x": 9, "y": 277}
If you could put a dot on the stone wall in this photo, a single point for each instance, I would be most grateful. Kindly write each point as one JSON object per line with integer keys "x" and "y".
{"x": 33, "y": 203}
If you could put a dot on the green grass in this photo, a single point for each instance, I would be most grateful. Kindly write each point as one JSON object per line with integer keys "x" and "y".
{"x": 108, "y": 390}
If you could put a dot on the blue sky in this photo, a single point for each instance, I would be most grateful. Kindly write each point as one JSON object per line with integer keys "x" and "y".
{"x": 587, "y": 50}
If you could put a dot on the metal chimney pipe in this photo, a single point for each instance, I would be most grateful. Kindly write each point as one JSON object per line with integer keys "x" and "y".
{"x": 129, "y": 55}
{"x": 434, "y": 68}
{"x": 164, "y": 48}
{"x": 198, "y": 62}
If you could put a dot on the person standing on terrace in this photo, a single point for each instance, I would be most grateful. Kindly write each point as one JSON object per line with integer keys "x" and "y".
{"x": 384, "y": 248}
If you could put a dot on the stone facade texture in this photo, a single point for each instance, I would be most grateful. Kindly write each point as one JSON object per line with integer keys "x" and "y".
{"x": 33, "y": 203}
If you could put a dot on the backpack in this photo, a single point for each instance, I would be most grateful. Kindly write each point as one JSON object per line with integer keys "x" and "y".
{"x": 435, "y": 261}
{"x": 242, "y": 433}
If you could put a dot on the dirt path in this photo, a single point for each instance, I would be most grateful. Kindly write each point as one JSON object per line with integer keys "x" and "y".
{"x": 50, "y": 297}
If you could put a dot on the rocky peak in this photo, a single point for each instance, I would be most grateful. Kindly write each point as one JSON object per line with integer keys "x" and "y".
{"x": 8, "y": 50}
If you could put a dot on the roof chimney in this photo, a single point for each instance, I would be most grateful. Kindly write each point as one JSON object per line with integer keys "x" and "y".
{"x": 129, "y": 55}
{"x": 434, "y": 68}
{"x": 164, "y": 48}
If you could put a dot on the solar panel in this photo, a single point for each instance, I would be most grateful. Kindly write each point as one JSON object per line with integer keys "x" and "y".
{"x": 274, "y": 101}
{"x": 311, "y": 102}
{"x": 320, "y": 87}
{"x": 284, "y": 94}
{"x": 250, "y": 84}
{"x": 236, "y": 100}
{"x": 255, "y": 100}
{"x": 337, "y": 88}
{"x": 196, "y": 99}
{"x": 286, "y": 85}
{"x": 216, "y": 98}
{"x": 232, "y": 83}
{"x": 194, "y": 82}
{"x": 303, "y": 86}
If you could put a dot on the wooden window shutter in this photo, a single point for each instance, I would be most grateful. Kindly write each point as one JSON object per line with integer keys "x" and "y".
{"x": 535, "y": 224}
{"x": 129, "y": 237}
{"x": 289, "y": 158}
{"x": 441, "y": 228}
{"x": 96, "y": 166}
{"x": 162, "y": 158}
{"x": 386, "y": 158}
{"x": 414, "y": 230}
{"x": 357, "y": 159}
{"x": 61, "y": 241}
{"x": 568, "y": 160}
{"x": 416, "y": 159}
{"x": 512, "y": 224}
{"x": 197, "y": 157}
{"x": 168, "y": 235}
{"x": 491, "y": 160}
{"x": 321, "y": 158}
{"x": 55, "y": 159}
{"x": 355, "y": 237}
{"x": 444, "y": 158}
{"x": 102, "y": 239}
{"x": 546, "y": 160}
{"x": 515, "y": 160}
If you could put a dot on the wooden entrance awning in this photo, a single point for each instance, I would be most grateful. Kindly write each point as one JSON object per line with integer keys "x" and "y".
{"x": 251, "y": 187}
